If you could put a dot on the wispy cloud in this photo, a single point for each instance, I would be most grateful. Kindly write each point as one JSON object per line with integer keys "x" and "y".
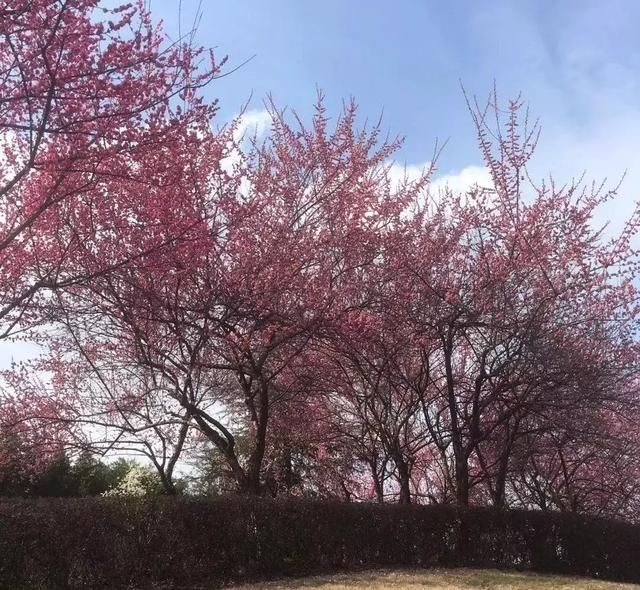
{"x": 253, "y": 123}
{"x": 249, "y": 125}
{"x": 462, "y": 180}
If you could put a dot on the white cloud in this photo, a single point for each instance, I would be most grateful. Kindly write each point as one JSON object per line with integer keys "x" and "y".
{"x": 252, "y": 123}
{"x": 457, "y": 181}
{"x": 398, "y": 173}
{"x": 463, "y": 180}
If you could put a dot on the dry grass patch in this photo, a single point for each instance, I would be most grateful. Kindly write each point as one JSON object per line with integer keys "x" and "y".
{"x": 461, "y": 579}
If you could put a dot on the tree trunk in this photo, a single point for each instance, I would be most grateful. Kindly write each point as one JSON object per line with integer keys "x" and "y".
{"x": 168, "y": 487}
{"x": 260, "y": 420}
{"x": 378, "y": 484}
{"x": 379, "y": 489}
{"x": 460, "y": 456}
{"x": 404, "y": 477}
{"x": 501, "y": 481}
{"x": 462, "y": 481}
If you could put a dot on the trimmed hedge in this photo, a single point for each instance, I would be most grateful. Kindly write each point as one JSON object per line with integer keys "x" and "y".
{"x": 103, "y": 543}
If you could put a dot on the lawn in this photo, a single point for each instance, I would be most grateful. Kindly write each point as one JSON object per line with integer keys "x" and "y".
{"x": 461, "y": 579}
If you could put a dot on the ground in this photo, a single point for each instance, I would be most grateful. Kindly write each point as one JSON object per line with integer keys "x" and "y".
{"x": 461, "y": 579}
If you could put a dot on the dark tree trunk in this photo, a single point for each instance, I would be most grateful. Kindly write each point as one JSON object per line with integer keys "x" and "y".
{"x": 460, "y": 455}
{"x": 404, "y": 477}
{"x": 462, "y": 481}
{"x": 378, "y": 483}
{"x": 501, "y": 482}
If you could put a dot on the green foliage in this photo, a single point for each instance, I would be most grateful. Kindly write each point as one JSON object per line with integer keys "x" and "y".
{"x": 138, "y": 481}
{"x": 14, "y": 479}
{"x": 56, "y": 480}
{"x": 212, "y": 476}
{"x": 91, "y": 476}
{"x": 63, "y": 478}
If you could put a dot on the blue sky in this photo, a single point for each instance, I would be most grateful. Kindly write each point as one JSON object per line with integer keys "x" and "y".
{"x": 576, "y": 63}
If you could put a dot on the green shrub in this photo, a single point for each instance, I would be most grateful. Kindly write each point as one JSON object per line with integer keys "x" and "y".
{"x": 112, "y": 543}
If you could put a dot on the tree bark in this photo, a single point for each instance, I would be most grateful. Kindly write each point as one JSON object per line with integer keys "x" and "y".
{"x": 405, "y": 484}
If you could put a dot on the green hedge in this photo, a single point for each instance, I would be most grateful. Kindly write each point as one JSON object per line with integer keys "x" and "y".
{"x": 178, "y": 543}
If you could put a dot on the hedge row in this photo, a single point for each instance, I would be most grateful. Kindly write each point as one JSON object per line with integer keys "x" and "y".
{"x": 176, "y": 543}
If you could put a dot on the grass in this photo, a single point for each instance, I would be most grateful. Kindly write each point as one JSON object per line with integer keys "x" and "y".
{"x": 460, "y": 579}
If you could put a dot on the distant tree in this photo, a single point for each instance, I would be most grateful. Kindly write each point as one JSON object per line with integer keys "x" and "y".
{"x": 15, "y": 478}
{"x": 92, "y": 477}
{"x": 140, "y": 480}
{"x": 57, "y": 480}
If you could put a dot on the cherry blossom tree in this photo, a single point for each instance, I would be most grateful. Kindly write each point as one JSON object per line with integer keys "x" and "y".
{"x": 325, "y": 329}
{"x": 99, "y": 118}
{"x": 222, "y": 319}
{"x": 92, "y": 98}
{"x": 519, "y": 306}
